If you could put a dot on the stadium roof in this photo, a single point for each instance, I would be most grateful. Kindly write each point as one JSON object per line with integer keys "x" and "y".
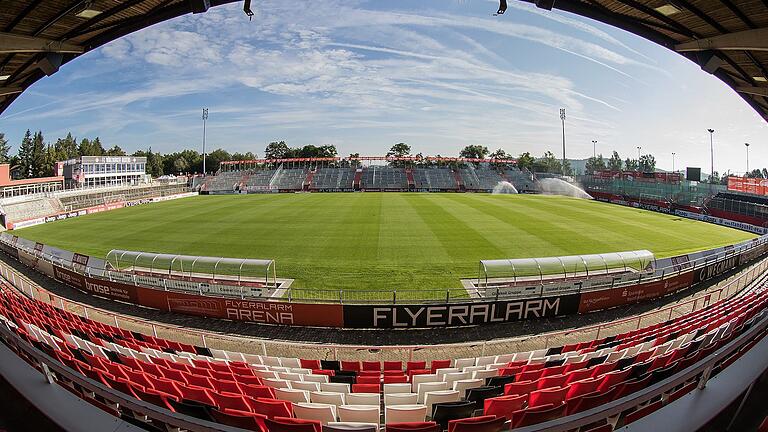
{"x": 728, "y": 38}
{"x": 37, "y": 36}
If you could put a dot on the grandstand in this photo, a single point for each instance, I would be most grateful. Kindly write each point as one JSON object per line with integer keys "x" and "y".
{"x": 40, "y": 206}
{"x": 332, "y": 179}
{"x": 603, "y": 383}
{"x": 751, "y": 209}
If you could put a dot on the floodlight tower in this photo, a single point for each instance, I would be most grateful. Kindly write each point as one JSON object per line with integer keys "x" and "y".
{"x": 711, "y": 154}
{"x": 205, "y": 118}
{"x": 673, "y": 161}
{"x": 594, "y": 148}
{"x": 562, "y": 119}
{"x": 747, "y": 146}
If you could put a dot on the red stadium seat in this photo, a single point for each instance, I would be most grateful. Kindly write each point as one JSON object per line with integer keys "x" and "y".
{"x": 231, "y": 401}
{"x": 642, "y": 412}
{"x": 369, "y": 379}
{"x": 477, "y": 424}
{"x": 394, "y": 379}
{"x": 366, "y": 388}
{"x": 371, "y": 366}
{"x": 273, "y": 407}
{"x": 554, "y": 370}
{"x": 612, "y": 379}
{"x": 590, "y": 400}
{"x": 551, "y": 396}
{"x": 350, "y": 366}
{"x": 197, "y": 394}
{"x": 310, "y": 364}
{"x": 287, "y": 424}
{"x": 415, "y": 365}
{"x": 412, "y": 427}
{"x": 258, "y": 391}
{"x": 439, "y": 364}
{"x": 531, "y": 416}
{"x": 552, "y": 381}
{"x": 199, "y": 381}
{"x": 580, "y": 388}
{"x": 240, "y": 419}
{"x": 393, "y": 365}
{"x": 227, "y": 387}
{"x": 520, "y": 388}
{"x": 504, "y": 406}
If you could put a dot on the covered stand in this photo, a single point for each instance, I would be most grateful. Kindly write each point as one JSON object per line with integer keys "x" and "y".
{"x": 191, "y": 267}
{"x": 556, "y": 268}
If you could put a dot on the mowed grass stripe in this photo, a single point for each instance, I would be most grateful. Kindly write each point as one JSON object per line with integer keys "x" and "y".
{"x": 380, "y": 241}
{"x": 554, "y": 236}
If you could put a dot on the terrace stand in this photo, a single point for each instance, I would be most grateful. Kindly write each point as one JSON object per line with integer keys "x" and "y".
{"x": 194, "y": 268}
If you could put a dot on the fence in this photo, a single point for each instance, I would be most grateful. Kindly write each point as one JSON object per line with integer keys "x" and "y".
{"x": 724, "y": 289}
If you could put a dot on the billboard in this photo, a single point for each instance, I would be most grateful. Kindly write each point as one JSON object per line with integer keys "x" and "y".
{"x": 461, "y": 314}
{"x": 693, "y": 174}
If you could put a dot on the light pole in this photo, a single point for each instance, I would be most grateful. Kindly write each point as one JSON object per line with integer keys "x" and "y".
{"x": 747, "y": 146}
{"x": 562, "y": 119}
{"x": 711, "y": 155}
{"x": 205, "y": 118}
{"x": 594, "y": 148}
{"x": 673, "y": 162}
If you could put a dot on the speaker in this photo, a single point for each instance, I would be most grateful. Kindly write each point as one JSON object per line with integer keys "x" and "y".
{"x": 545, "y": 4}
{"x": 709, "y": 61}
{"x": 199, "y": 6}
{"x": 50, "y": 63}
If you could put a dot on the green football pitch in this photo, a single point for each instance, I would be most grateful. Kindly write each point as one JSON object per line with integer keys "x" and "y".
{"x": 381, "y": 241}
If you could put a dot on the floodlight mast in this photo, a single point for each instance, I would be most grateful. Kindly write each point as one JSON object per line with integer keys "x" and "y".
{"x": 562, "y": 119}
{"x": 205, "y": 118}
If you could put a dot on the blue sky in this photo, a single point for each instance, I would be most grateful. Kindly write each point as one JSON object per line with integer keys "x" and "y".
{"x": 363, "y": 75}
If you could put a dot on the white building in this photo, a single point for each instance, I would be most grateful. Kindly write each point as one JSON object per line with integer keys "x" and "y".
{"x": 89, "y": 171}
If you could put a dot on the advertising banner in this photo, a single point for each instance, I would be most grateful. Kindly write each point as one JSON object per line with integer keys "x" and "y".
{"x": 99, "y": 287}
{"x": 607, "y": 298}
{"x": 460, "y": 314}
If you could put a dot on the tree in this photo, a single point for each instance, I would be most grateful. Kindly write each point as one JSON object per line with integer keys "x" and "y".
{"x": 25, "y": 155}
{"x": 353, "y": 160}
{"x": 647, "y": 163}
{"x": 474, "y": 152}
{"x": 399, "y": 150}
{"x": 85, "y": 149}
{"x": 154, "y": 163}
{"x": 114, "y": 151}
{"x": 181, "y": 165}
{"x": 595, "y": 164}
{"x": 614, "y": 163}
{"x": 549, "y": 164}
{"x": 276, "y": 150}
{"x": 39, "y": 168}
{"x": 630, "y": 164}
{"x": 96, "y": 147}
{"x": 215, "y": 158}
{"x": 4, "y": 149}
{"x": 714, "y": 178}
{"x": 525, "y": 161}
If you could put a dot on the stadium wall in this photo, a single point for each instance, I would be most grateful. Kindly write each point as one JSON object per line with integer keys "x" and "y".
{"x": 82, "y": 272}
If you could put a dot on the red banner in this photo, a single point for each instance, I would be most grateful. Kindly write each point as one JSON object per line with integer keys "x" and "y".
{"x": 748, "y": 185}
{"x": 608, "y": 298}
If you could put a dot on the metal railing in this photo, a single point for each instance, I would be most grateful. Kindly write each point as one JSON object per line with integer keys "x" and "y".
{"x": 211, "y": 339}
{"x": 699, "y": 372}
{"x": 425, "y": 295}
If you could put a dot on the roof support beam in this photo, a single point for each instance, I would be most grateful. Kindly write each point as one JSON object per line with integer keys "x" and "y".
{"x": 13, "y": 43}
{"x": 5, "y": 91}
{"x": 758, "y": 91}
{"x": 748, "y": 40}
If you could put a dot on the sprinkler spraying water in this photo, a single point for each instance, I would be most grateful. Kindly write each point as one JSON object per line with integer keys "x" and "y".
{"x": 504, "y": 187}
{"x": 555, "y": 186}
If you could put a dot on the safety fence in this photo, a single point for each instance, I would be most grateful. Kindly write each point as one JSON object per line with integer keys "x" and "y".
{"x": 210, "y": 339}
